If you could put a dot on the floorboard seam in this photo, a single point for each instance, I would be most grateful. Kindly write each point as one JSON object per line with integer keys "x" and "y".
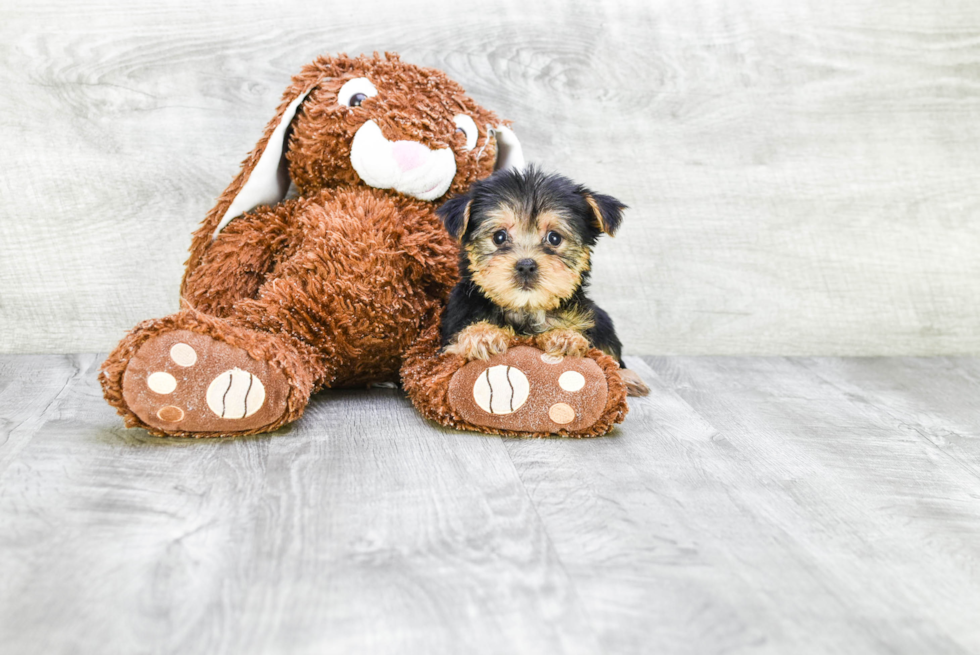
{"x": 900, "y": 422}
{"x": 551, "y": 543}
{"x": 79, "y": 371}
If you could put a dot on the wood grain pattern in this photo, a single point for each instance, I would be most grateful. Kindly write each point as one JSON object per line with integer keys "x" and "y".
{"x": 854, "y": 529}
{"x": 764, "y": 505}
{"x": 801, "y": 176}
{"x": 358, "y": 531}
{"x": 32, "y": 389}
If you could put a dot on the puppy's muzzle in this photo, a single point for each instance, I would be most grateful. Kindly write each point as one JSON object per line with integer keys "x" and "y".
{"x": 526, "y": 271}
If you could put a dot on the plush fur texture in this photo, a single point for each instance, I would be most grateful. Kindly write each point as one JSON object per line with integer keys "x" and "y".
{"x": 344, "y": 285}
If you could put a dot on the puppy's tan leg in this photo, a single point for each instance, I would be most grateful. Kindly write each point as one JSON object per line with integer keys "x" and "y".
{"x": 481, "y": 341}
{"x": 635, "y": 386}
{"x": 563, "y": 342}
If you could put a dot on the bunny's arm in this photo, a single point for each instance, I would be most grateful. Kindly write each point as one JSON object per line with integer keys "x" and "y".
{"x": 239, "y": 260}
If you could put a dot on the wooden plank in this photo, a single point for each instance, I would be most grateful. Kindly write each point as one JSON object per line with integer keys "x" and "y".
{"x": 32, "y": 388}
{"x": 360, "y": 530}
{"x": 763, "y": 504}
{"x": 801, "y": 176}
{"x": 748, "y": 505}
{"x": 618, "y": 511}
{"x": 935, "y": 399}
{"x": 868, "y": 534}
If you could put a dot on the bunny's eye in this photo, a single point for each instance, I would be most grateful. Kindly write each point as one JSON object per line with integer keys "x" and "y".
{"x": 466, "y": 125}
{"x": 355, "y": 91}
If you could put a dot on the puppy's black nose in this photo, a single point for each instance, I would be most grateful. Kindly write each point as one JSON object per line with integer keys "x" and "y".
{"x": 526, "y": 268}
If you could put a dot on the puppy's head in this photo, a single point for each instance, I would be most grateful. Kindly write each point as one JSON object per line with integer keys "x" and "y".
{"x": 527, "y": 236}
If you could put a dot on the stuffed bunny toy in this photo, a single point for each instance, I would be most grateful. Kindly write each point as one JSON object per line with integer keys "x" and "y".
{"x": 341, "y": 285}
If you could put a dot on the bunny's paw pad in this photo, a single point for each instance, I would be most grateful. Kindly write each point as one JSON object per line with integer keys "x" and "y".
{"x": 184, "y": 382}
{"x": 525, "y": 390}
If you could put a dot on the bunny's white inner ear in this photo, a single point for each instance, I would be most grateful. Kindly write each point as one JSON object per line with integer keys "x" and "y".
{"x": 269, "y": 180}
{"x": 509, "y": 152}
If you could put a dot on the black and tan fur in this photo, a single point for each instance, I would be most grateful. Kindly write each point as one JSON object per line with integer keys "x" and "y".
{"x": 527, "y": 240}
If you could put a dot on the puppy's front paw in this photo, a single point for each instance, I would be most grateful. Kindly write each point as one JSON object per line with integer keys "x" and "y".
{"x": 481, "y": 341}
{"x": 635, "y": 386}
{"x": 563, "y": 343}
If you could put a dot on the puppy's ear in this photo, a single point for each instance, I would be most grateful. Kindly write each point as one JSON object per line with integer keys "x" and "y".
{"x": 608, "y": 211}
{"x": 455, "y": 215}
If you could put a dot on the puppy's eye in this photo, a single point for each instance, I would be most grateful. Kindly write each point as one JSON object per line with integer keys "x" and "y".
{"x": 554, "y": 238}
{"x": 466, "y": 125}
{"x": 499, "y": 237}
{"x": 355, "y": 91}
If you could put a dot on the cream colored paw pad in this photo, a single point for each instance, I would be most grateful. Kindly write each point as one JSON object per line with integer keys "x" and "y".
{"x": 501, "y": 390}
{"x": 551, "y": 359}
{"x": 183, "y": 355}
{"x": 571, "y": 381}
{"x": 235, "y": 394}
{"x": 162, "y": 383}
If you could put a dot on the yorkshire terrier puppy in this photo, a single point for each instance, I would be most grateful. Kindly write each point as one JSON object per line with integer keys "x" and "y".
{"x": 527, "y": 239}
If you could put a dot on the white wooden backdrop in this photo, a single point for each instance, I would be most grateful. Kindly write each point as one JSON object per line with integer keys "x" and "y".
{"x": 803, "y": 176}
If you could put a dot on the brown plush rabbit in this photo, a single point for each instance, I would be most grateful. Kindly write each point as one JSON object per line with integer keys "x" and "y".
{"x": 341, "y": 286}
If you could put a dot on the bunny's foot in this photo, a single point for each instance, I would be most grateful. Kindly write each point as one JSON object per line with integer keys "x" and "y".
{"x": 188, "y": 382}
{"x": 199, "y": 376}
{"x": 526, "y": 390}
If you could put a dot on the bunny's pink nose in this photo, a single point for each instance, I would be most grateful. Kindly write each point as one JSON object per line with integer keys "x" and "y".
{"x": 409, "y": 154}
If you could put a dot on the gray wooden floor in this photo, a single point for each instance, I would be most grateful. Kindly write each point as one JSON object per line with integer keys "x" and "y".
{"x": 764, "y": 505}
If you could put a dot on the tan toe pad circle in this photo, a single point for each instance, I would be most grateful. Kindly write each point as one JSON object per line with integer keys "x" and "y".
{"x": 561, "y": 413}
{"x": 170, "y": 414}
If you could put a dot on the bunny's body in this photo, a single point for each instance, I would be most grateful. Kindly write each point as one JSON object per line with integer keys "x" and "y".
{"x": 341, "y": 286}
{"x": 346, "y": 277}
{"x": 284, "y": 297}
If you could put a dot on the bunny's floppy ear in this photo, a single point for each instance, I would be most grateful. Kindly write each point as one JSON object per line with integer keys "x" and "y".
{"x": 264, "y": 178}
{"x": 268, "y": 181}
{"x": 509, "y": 151}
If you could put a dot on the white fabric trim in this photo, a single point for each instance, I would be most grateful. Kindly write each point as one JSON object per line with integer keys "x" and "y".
{"x": 509, "y": 151}
{"x": 468, "y": 125}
